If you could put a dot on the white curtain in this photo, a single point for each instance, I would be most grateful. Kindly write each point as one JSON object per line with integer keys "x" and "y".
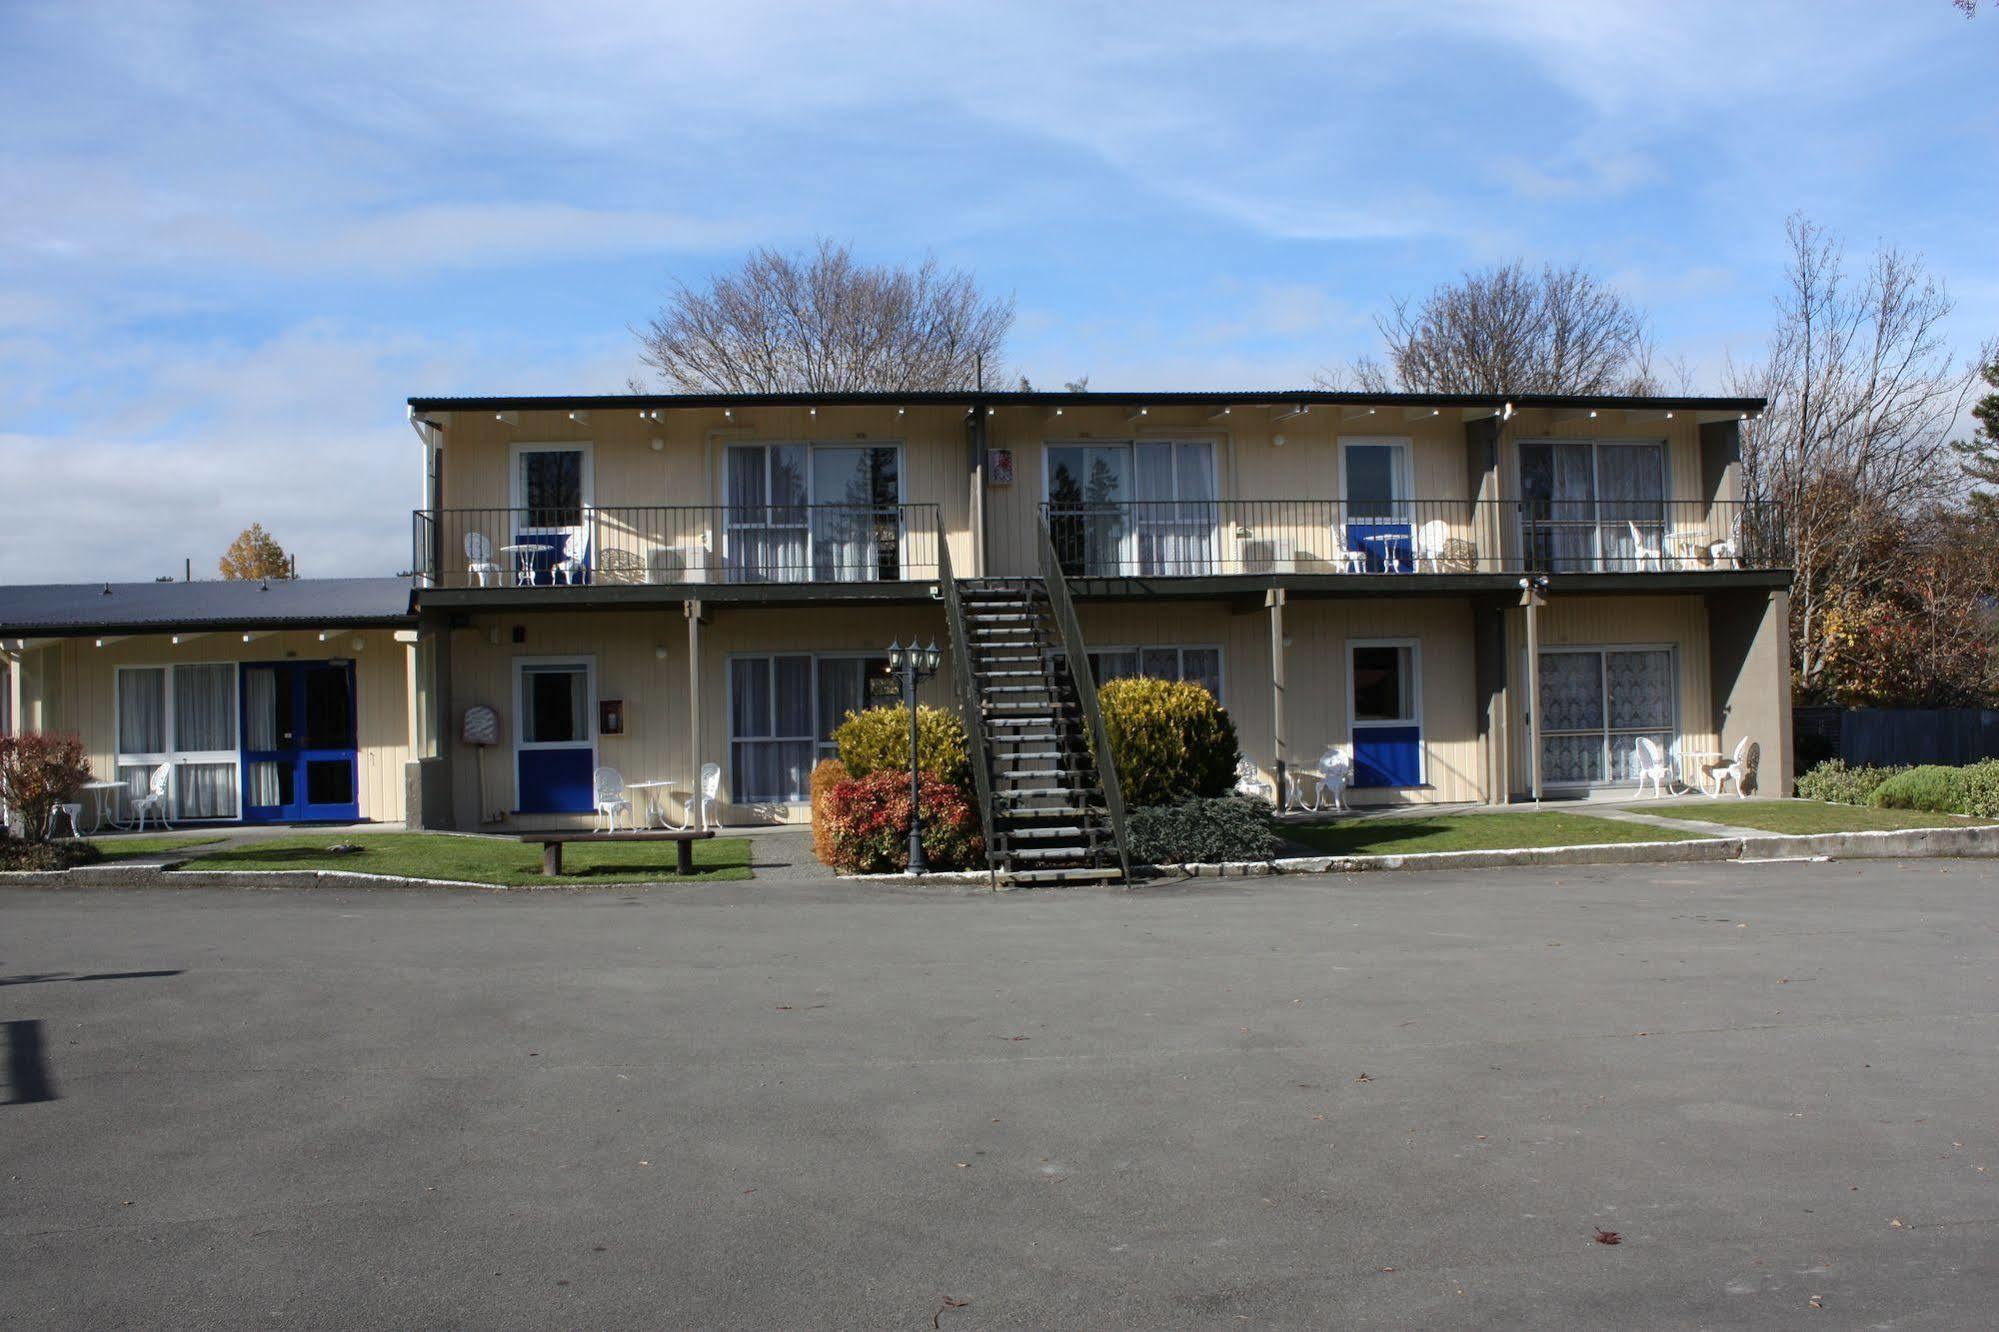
{"x": 766, "y": 520}
{"x": 1630, "y": 490}
{"x": 260, "y": 709}
{"x": 205, "y": 708}
{"x": 1175, "y": 489}
{"x": 205, "y": 790}
{"x": 142, "y": 711}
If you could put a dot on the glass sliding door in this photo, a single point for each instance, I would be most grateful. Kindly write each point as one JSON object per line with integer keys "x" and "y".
{"x": 1089, "y": 495}
{"x": 857, "y": 514}
{"x": 551, "y": 492}
{"x": 765, "y": 529}
{"x": 1175, "y": 514}
{"x": 1596, "y": 703}
{"x": 1379, "y": 519}
{"x": 1587, "y": 505}
{"x": 1133, "y": 507}
{"x": 299, "y": 742}
{"x": 783, "y": 710}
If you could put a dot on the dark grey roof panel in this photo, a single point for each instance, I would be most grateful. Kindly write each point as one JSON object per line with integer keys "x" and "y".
{"x": 1105, "y": 398}
{"x": 64, "y": 609}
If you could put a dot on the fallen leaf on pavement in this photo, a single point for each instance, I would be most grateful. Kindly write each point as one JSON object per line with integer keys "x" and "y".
{"x": 1816, "y": 1304}
{"x": 948, "y": 1303}
{"x": 1364, "y": 1078}
{"x": 1898, "y": 1223}
{"x": 1608, "y": 1236}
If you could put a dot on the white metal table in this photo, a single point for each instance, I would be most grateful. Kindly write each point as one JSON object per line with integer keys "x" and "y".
{"x": 523, "y": 553}
{"x": 1690, "y": 766}
{"x": 655, "y": 803}
{"x": 1390, "y": 560}
{"x": 102, "y": 793}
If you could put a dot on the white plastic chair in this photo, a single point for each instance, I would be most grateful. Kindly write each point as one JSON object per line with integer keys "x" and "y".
{"x": 608, "y": 796}
{"x": 154, "y": 802}
{"x": 71, "y": 810}
{"x": 709, "y": 801}
{"x": 1432, "y": 540}
{"x": 1652, "y": 766}
{"x": 570, "y": 567}
{"x": 1249, "y": 781}
{"x": 1738, "y": 767}
{"x": 1729, "y": 549}
{"x": 479, "y": 561}
{"x": 1643, "y": 553}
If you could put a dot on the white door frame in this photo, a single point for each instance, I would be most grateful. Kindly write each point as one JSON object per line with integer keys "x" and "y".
{"x": 1415, "y": 646}
{"x": 588, "y": 661}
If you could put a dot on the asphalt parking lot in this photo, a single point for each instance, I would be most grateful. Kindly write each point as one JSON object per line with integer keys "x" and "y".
{"x": 1385, "y": 1099}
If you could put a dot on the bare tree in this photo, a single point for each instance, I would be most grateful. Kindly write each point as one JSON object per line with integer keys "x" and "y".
{"x": 821, "y": 322}
{"x": 1511, "y": 330}
{"x": 1863, "y": 392}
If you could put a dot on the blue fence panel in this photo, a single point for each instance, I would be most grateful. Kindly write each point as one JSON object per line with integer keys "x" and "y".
{"x": 1891, "y": 736}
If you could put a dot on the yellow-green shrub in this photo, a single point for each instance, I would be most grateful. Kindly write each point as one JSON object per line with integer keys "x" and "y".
{"x": 826, "y": 774}
{"x": 1170, "y": 740}
{"x": 877, "y": 740}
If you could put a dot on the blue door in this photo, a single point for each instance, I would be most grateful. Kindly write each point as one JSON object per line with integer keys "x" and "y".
{"x": 299, "y": 762}
{"x": 1384, "y": 688}
{"x": 556, "y": 748}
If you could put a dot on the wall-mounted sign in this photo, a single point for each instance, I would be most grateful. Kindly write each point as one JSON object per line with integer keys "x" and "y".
{"x": 610, "y": 716}
{"x": 999, "y": 467}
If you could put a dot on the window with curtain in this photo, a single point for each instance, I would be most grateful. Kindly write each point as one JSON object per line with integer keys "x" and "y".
{"x": 551, "y": 487}
{"x": 1586, "y": 505}
{"x": 185, "y": 716}
{"x": 1196, "y": 665}
{"x": 1133, "y": 506}
{"x": 766, "y": 522}
{"x": 1595, "y": 704}
{"x": 782, "y": 714}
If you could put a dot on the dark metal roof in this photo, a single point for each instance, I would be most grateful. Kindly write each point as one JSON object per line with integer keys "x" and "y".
{"x": 1114, "y": 398}
{"x": 73, "y": 609}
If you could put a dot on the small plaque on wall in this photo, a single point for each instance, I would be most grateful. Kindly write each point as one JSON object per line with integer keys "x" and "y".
{"x": 999, "y": 467}
{"x": 610, "y": 716}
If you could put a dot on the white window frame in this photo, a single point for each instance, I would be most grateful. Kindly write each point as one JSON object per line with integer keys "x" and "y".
{"x": 818, "y": 722}
{"x": 1402, "y": 508}
{"x": 1415, "y": 693}
{"x": 588, "y": 661}
{"x": 1607, "y": 731}
{"x": 811, "y": 491}
{"x": 516, "y": 490}
{"x": 122, "y": 759}
{"x": 1665, "y": 447}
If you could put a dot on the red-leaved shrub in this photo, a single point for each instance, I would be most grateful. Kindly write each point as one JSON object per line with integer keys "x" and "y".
{"x": 38, "y": 771}
{"x": 866, "y": 825}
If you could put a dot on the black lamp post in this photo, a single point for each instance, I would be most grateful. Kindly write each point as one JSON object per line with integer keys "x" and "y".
{"x": 915, "y": 665}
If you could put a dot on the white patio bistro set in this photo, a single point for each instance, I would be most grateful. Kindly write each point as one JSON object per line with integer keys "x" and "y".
{"x": 612, "y": 796}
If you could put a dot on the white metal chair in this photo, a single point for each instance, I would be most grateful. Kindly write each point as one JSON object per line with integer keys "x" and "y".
{"x": 154, "y": 802}
{"x": 1645, "y": 554}
{"x": 607, "y": 786}
{"x": 1730, "y": 548}
{"x": 1249, "y": 781}
{"x": 569, "y": 568}
{"x": 1652, "y": 766}
{"x": 1742, "y": 765}
{"x": 1332, "y": 777}
{"x": 479, "y": 562}
{"x": 708, "y": 797}
{"x": 1345, "y": 556}
{"x": 71, "y": 810}
{"x": 1433, "y": 539}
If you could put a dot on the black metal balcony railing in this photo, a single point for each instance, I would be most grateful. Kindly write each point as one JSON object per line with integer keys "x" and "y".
{"x": 1185, "y": 538}
{"x": 816, "y": 543}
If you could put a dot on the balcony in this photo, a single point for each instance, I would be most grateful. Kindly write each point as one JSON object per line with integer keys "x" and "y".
{"x": 676, "y": 545}
{"x": 1224, "y": 538}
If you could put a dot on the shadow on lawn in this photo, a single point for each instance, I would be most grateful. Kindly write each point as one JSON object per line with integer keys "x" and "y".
{"x": 368, "y": 861}
{"x": 1377, "y": 836}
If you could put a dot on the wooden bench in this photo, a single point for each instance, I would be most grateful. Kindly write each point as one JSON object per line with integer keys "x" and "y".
{"x": 552, "y": 844}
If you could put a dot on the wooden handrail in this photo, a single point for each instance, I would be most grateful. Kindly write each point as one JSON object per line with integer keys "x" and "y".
{"x": 968, "y": 697}
{"x": 1077, "y": 655}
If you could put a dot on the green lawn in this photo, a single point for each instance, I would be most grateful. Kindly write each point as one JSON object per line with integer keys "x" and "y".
{"x": 1808, "y": 816}
{"x": 125, "y": 848}
{"x": 1471, "y": 832}
{"x": 494, "y": 860}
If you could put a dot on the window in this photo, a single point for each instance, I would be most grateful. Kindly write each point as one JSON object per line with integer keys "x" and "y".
{"x": 1133, "y": 506}
{"x": 555, "y": 705}
{"x": 1587, "y": 505}
{"x": 1384, "y": 682}
{"x": 1197, "y": 665}
{"x": 1595, "y": 703}
{"x": 782, "y": 714}
{"x": 813, "y": 512}
{"x": 551, "y": 486}
{"x": 185, "y": 716}
{"x": 1377, "y": 479}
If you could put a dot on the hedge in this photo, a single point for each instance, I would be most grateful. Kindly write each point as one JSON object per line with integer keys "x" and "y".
{"x": 1203, "y": 831}
{"x": 1940, "y": 790}
{"x": 1170, "y": 740}
{"x": 865, "y": 825}
{"x": 877, "y": 740}
{"x": 1838, "y": 784}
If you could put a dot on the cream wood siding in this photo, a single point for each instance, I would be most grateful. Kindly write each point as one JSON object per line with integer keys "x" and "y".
{"x": 657, "y": 743}
{"x": 85, "y": 700}
{"x": 1316, "y": 676}
{"x": 688, "y": 467}
{"x": 1677, "y": 622}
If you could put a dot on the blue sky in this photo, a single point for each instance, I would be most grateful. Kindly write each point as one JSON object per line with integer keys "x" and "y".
{"x": 234, "y": 237}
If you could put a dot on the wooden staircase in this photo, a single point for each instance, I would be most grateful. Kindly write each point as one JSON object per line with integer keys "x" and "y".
{"x": 1050, "y": 818}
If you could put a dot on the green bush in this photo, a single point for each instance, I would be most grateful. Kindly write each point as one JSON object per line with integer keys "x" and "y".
{"x": 877, "y": 740}
{"x": 1170, "y": 740}
{"x": 1838, "y": 784}
{"x": 1202, "y": 831}
{"x": 1939, "y": 790}
{"x": 865, "y": 825}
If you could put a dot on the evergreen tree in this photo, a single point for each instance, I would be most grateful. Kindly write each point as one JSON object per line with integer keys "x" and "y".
{"x": 1979, "y": 455}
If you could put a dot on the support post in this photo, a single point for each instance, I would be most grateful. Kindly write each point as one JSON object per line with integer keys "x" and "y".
{"x": 1532, "y": 600}
{"x": 1274, "y": 599}
{"x": 692, "y": 609}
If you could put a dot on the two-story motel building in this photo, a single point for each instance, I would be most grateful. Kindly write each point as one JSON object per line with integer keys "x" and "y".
{"x": 1480, "y": 599}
